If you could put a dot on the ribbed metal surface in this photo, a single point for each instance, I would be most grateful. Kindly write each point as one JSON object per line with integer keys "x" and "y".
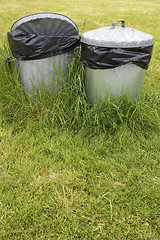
{"x": 113, "y": 82}
{"x": 34, "y": 74}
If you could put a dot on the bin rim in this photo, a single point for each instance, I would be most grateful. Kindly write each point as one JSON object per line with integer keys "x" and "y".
{"x": 13, "y": 27}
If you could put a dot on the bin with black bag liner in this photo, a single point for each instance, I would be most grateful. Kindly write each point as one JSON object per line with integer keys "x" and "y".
{"x": 116, "y": 59}
{"x": 43, "y": 46}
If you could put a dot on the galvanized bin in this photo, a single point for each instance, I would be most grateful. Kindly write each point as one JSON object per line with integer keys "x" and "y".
{"x": 116, "y": 59}
{"x": 43, "y": 46}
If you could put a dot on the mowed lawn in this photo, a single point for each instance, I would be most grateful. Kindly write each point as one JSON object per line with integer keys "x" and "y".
{"x": 69, "y": 171}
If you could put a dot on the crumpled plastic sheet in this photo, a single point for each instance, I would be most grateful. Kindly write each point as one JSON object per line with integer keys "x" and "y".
{"x": 96, "y": 57}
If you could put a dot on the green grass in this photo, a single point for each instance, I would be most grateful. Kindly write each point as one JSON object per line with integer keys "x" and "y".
{"x": 73, "y": 188}
{"x": 69, "y": 171}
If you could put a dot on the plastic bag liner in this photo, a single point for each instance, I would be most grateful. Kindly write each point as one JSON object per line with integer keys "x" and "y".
{"x": 96, "y": 57}
{"x": 30, "y": 41}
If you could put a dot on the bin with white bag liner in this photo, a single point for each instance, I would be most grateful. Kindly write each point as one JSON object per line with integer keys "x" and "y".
{"x": 43, "y": 46}
{"x": 116, "y": 59}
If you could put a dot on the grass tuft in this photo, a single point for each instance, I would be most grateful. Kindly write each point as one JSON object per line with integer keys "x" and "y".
{"x": 70, "y": 109}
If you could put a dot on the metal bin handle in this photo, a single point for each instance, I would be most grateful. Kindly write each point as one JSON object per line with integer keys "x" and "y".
{"x": 114, "y": 23}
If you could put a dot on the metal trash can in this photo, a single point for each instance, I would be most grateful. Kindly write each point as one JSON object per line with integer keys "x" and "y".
{"x": 43, "y": 45}
{"x": 115, "y": 59}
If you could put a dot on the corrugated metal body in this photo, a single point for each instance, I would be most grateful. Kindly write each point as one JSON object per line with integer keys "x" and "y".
{"x": 100, "y": 84}
{"x": 46, "y": 72}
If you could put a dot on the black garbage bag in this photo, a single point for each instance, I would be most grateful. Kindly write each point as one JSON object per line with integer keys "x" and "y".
{"x": 43, "y": 37}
